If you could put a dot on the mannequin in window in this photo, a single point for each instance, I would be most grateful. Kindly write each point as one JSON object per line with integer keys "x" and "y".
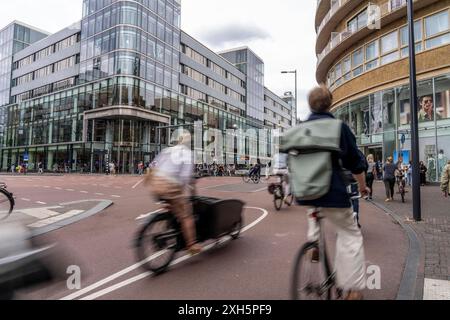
{"x": 442, "y": 162}
{"x": 431, "y": 168}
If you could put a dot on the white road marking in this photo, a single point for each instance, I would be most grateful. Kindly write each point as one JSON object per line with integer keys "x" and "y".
{"x": 143, "y": 216}
{"x": 40, "y": 202}
{"x": 25, "y": 199}
{"x": 59, "y": 217}
{"x": 115, "y": 196}
{"x": 84, "y": 192}
{"x": 259, "y": 190}
{"x": 138, "y": 183}
{"x": 70, "y": 190}
{"x": 436, "y": 289}
{"x": 40, "y": 213}
{"x": 124, "y": 283}
{"x": 58, "y": 188}
{"x": 219, "y": 185}
{"x": 100, "y": 194}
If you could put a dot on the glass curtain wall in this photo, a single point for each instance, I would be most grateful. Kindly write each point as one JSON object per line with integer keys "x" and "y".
{"x": 384, "y": 119}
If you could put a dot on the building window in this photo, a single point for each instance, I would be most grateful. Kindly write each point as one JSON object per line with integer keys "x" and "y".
{"x": 436, "y": 24}
{"x": 404, "y": 38}
{"x": 389, "y": 42}
{"x": 436, "y": 30}
{"x": 358, "y": 22}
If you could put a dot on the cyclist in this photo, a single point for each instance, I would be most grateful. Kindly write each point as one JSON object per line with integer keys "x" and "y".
{"x": 169, "y": 179}
{"x": 256, "y": 170}
{"x": 336, "y": 205}
{"x": 280, "y": 168}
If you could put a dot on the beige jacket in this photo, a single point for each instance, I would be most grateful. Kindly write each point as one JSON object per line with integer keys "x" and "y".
{"x": 445, "y": 178}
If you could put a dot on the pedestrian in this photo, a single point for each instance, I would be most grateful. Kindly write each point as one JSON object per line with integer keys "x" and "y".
{"x": 40, "y": 168}
{"x": 141, "y": 168}
{"x": 445, "y": 180}
{"x": 112, "y": 168}
{"x": 409, "y": 173}
{"x": 389, "y": 169}
{"x": 379, "y": 166}
{"x": 333, "y": 197}
{"x": 423, "y": 173}
{"x": 371, "y": 174}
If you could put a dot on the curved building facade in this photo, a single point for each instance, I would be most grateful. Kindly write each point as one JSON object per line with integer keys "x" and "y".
{"x": 362, "y": 49}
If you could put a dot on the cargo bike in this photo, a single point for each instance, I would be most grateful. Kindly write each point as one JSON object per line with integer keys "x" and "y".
{"x": 160, "y": 237}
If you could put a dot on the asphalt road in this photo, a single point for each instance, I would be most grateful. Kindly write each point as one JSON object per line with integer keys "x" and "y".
{"x": 256, "y": 266}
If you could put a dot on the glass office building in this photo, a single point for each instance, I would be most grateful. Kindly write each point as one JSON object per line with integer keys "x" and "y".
{"x": 253, "y": 67}
{"x": 102, "y": 92}
{"x": 13, "y": 38}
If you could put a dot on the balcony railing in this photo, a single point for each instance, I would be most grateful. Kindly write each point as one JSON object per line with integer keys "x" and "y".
{"x": 337, "y": 38}
{"x": 334, "y": 8}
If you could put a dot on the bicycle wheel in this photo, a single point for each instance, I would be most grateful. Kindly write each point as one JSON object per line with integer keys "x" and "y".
{"x": 6, "y": 204}
{"x": 290, "y": 200}
{"x": 236, "y": 231}
{"x": 246, "y": 178}
{"x": 256, "y": 179}
{"x": 310, "y": 281}
{"x": 278, "y": 198}
{"x": 157, "y": 242}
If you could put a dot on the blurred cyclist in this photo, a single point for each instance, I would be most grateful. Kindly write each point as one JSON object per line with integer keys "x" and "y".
{"x": 256, "y": 170}
{"x": 280, "y": 168}
{"x": 169, "y": 180}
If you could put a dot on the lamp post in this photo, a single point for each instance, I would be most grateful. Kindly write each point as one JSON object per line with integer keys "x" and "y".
{"x": 294, "y": 72}
{"x": 417, "y": 209}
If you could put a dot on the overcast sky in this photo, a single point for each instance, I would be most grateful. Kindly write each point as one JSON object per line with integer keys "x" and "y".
{"x": 281, "y": 33}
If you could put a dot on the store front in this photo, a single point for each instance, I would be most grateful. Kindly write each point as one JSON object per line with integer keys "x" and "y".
{"x": 381, "y": 123}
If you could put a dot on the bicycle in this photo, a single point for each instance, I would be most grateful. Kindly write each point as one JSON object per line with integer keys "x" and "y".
{"x": 160, "y": 238}
{"x": 7, "y": 201}
{"x": 401, "y": 183}
{"x": 277, "y": 190}
{"x": 314, "y": 254}
{"x": 255, "y": 178}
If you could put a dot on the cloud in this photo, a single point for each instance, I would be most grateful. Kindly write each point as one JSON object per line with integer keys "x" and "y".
{"x": 233, "y": 33}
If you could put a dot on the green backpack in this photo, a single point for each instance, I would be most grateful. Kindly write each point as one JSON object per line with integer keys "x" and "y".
{"x": 310, "y": 147}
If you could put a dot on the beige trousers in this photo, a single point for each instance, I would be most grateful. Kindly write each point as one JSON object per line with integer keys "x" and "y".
{"x": 179, "y": 205}
{"x": 349, "y": 261}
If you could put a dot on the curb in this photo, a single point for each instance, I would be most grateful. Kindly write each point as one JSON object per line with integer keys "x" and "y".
{"x": 60, "y": 224}
{"x": 409, "y": 284}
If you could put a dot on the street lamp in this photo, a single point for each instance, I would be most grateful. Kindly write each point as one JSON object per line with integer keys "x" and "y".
{"x": 296, "y": 106}
{"x": 417, "y": 209}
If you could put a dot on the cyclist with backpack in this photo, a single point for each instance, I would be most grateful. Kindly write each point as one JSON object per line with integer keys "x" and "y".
{"x": 319, "y": 149}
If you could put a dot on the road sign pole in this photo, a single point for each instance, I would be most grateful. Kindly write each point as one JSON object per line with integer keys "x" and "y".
{"x": 417, "y": 210}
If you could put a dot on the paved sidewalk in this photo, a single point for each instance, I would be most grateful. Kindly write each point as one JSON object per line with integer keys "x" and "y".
{"x": 434, "y": 232}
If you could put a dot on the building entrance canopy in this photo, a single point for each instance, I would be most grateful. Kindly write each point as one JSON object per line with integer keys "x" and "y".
{"x": 124, "y": 113}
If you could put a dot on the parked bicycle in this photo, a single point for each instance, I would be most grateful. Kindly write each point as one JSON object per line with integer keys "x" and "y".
{"x": 312, "y": 277}
{"x": 7, "y": 201}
